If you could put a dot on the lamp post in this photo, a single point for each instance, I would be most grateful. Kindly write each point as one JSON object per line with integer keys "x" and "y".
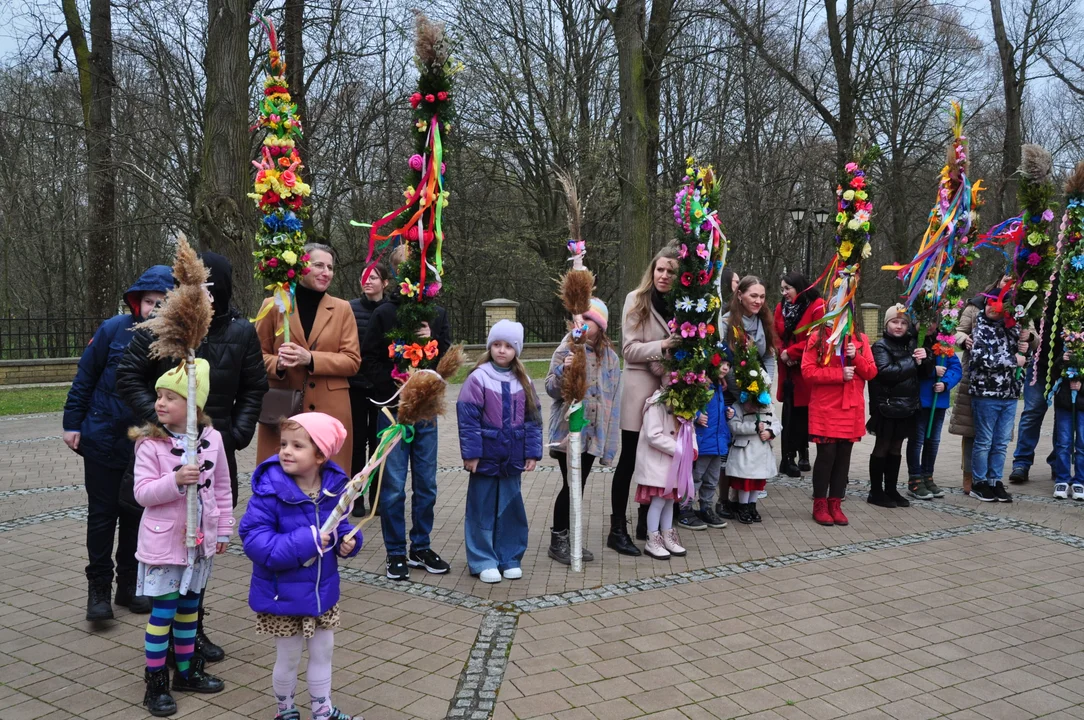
{"x": 820, "y": 216}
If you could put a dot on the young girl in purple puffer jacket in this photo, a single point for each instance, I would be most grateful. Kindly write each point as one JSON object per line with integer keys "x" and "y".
{"x": 295, "y": 569}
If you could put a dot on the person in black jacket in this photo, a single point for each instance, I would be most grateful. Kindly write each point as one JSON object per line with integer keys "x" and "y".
{"x": 893, "y": 402}
{"x": 374, "y": 284}
{"x": 421, "y": 452}
{"x": 238, "y": 384}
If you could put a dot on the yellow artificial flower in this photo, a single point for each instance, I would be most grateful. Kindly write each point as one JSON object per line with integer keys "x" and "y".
{"x": 854, "y": 224}
{"x": 422, "y": 125}
{"x": 845, "y": 249}
{"x": 290, "y": 257}
{"x": 962, "y": 283}
{"x": 753, "y": 387}
{"x": 1035, "y": 238}
{"x": 861, "y": 194}
{"x": 409, "y": 192}
{"x": 444, "y": 199}
{"x": 849, "y": 195}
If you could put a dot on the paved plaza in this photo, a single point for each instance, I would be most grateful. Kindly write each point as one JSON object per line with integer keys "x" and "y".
{"x": 952, "y": 608}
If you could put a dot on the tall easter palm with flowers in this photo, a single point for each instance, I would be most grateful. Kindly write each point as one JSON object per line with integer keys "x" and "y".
{"x": 418, "y": 223}
{"x": 854, "y": 228}
{"x": 693, "y": 361}
{"x": 1069, "y": 309}
{"x": 936, "y": 280}
{"x": 279, "y": 191}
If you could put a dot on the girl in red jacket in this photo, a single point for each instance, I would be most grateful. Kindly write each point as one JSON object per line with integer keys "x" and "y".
{"x": 837, "y": 415}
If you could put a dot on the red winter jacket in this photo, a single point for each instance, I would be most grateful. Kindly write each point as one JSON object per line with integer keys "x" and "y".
{"x": 837, "y": 409}
{"x": 795, "y": 350}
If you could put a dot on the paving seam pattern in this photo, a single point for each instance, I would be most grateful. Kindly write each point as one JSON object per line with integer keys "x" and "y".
{"x": 476, "y": 695}
{"x": 39, "y": 490}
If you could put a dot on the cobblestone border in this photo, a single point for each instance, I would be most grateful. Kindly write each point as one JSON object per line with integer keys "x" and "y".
{"x": 476, "y": 695}
{"x": 38, "y": 491}
{"x": 73, "y": 513}
{"x": 25, "y": 441}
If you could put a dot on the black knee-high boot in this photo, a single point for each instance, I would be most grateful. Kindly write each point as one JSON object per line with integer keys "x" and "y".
{"x": 892, "y": 476}
{"x": 204, "y": 647}
{"x": 877, "y": 495}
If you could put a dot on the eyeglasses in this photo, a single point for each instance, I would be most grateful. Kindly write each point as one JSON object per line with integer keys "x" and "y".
{"x": 319, "y": 267}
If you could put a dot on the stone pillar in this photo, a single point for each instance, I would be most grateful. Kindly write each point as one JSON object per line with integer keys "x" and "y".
{"x": 871, "y": 320}
{"x": 499, "y": 309}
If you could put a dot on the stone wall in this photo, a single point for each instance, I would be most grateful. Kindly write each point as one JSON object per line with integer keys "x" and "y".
{"x": 24, "y": 372}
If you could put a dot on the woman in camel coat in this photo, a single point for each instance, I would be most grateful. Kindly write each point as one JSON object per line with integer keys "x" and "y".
{"x": 320, "y": 358}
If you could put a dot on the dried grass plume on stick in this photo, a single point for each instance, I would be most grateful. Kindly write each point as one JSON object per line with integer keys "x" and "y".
{"x": 184, "y": 318}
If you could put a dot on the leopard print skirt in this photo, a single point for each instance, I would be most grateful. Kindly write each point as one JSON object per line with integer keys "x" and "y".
{"x": 290, "y": 625}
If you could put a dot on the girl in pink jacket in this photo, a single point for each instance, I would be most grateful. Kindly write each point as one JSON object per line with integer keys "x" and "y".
{"x": 170, "y": 573}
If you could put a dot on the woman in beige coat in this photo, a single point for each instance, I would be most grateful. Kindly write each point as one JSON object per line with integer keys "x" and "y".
{"x": 320, "y": 358}
{"x": 645, "y": 336}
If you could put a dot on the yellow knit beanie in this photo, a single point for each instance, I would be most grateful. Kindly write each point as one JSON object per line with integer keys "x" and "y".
{"x": 177, "y": 381}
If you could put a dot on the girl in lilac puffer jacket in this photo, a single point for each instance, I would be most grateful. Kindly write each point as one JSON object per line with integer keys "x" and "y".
{"x": 295, "y": 571}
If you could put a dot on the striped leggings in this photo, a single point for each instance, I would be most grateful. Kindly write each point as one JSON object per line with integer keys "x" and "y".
{"x": 181, "y": 613}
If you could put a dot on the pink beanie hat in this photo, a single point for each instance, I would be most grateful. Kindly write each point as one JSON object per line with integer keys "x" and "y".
{"x": 327, "y": 432}
{"x": 599, "y": 313}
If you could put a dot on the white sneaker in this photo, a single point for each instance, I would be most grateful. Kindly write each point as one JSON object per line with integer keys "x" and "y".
{"x": 1078, "y": 491}
{"x": 672, "y": 543}
{"x": 1061, "y": 491}
{"x": 655, "y": 548}
{"x": 761, "y": 494}
{"x": 513, "y": 573}
{"x": 490, "y": 575}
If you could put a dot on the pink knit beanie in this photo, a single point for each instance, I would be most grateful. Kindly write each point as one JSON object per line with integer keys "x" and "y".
{"x": 599, "y": 313}
{"x": 327, "y": 432}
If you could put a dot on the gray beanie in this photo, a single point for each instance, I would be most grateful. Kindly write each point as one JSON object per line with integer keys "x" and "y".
{"x": 508, "y": 330}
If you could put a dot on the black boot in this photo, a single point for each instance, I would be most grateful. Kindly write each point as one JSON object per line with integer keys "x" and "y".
{"x": 559, "y": 547}
{"x": 789, "y": 468}
{"x": 641, "y": 522}
{"x": 619, "y": 539}
{"x": 877, "y": 494}
{"x": 157, "y": 699}
{"x": 98, "y": 607}
{"x": 126, "y": 595}
{"x": 753, "y": 510}
{"x": 204, "y": 647}
{"x": 725, "y": 510}
{"x": 197, "y": 680}
{"x": 359, "y": 507}
{"x": 892, "y": 477}
{"x": 803, "y": 460}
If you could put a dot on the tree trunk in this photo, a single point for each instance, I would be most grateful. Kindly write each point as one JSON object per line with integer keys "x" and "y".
{"x": 842, "y": 45}
{"x": 1013, "y": 88}
{"x": 293, "y": 51}
{"x": 96, "y": 81}
{"x": 224, "y": 212}
{"x": 634, "y": 218}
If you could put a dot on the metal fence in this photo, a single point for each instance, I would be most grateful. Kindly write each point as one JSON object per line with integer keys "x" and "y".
{"x": 34, "y": 338}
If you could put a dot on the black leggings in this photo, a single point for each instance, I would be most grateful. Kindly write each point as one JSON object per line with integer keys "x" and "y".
{"x": 830, "y": 469}
{"x": 560, "y": 505}
{"x": 619, "y": 489}
{"x": 795, "y": 431}
{"x": 891, "y": 432}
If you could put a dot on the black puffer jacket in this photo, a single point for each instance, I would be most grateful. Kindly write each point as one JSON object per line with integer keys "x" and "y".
{"x": 363, "y": 309}
{"x": 894, "y": 392}
{"x": 231, "y": 348}
{"x": 377, "y": 365}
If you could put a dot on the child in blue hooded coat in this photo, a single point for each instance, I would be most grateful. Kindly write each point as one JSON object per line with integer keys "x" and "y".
{"x": 295, "y": 569}
{"x": 713, "y": 443}
{"x": 922, "y": 450}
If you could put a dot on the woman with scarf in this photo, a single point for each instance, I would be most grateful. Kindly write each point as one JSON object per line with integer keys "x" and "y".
{"x": 801, "y": 306}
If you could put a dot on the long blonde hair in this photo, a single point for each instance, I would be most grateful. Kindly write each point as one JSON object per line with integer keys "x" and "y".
{"x": 737, "y": 313}
{"x": 531, "y": 410}
{"x": 641, "y": 307}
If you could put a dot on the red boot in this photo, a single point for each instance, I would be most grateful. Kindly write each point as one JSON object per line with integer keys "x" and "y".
{"x": 837, "y": 512}
{"x": 820, "y": 512}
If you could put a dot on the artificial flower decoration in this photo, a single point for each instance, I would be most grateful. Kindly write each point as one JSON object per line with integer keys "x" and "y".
{"x": 1033, "y": 280}
{"x": 1068, "y": 313}
{"x": 279, "y": 191}
{"x": 418, "y": 223}
{"x": 702, "y": 248}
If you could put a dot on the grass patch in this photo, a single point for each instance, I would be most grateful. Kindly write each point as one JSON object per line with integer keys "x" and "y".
{"x": 537, "y": 369}
{"x": 29, "y": 401}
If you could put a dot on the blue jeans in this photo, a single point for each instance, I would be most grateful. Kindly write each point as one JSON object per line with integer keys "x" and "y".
{"x": 1068, "y": 455}
{"x": 922, "y": 451}
{"x": 421, "y": 453}
{"x": 1031, "y": 422}
{"x": 496, "y": 523}
{"x": 994, "y": 419}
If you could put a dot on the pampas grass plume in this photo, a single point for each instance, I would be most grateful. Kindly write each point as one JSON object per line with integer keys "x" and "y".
{"x": 1074, "y": 186}
{"x": 185, "y": 316}
{"x": 574, "y": 387}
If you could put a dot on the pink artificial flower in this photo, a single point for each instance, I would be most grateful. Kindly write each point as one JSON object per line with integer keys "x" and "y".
{"x": 289, "y": 179}
{"x": 442, "y": 96}
{"x": 690, "y": 378}
{"x": 688, "y": 329}
{"x": 851, "y": 167}
{"x": 415, "y": 99}
{"x": 683, "y": 252}
{"x": 1034, "y": 259}
{"x": 416, "y": 161}
{"x": 1048, "y": 215}
{"x": 273, "y": 262}
{"x": 290, "y": 273}
{"x": 702, "y": 329}
{"x": 703, "y": 251}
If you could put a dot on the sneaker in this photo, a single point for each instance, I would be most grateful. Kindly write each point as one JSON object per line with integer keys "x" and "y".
{"x": 490, "y": 575}
{"x": 1000, "y": 494}
{"x": 982, "y": 491}
{"x": 761, "y": 494}
{"x": 710, "y": 518}
{"x": 1018, "y": 475}
{"x": 1061, "y": 491}
{"x": 691, "y": 521}
{"x": 513, "y": 573}
{"x": 293, "y": 714}
{"x": 397, "y": 567}
{"x": 429, "y": 560}
{"x": 933, "y": 487}
{"x": 1078, "y": 491}
{"x": 916, "y": 488}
